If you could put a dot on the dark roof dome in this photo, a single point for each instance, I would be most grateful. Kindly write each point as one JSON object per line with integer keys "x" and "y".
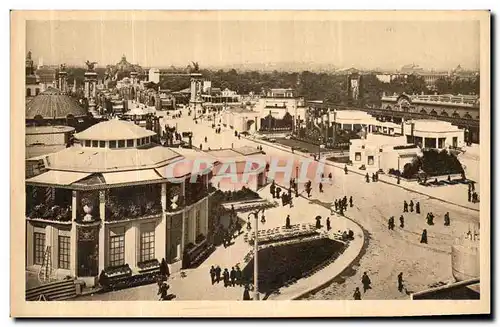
{"x": 54, "y": 104}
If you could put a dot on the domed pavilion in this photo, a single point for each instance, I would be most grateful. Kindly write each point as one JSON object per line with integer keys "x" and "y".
{"x": 116, "y": 202}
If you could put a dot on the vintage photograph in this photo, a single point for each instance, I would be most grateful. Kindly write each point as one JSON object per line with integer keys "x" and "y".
{"x": 259, "y": 156}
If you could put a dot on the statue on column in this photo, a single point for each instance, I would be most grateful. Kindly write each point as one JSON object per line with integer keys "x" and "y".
{"x": 90, "y": 65}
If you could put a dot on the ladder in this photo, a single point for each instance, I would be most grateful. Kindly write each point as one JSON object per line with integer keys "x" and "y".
{"x": 46, "y": 271}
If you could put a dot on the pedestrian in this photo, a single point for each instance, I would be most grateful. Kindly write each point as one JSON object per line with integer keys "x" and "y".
{"x": 336, "y": 205}
{"x": 402, "y": 221}
{"x": 390, "y": 223}
{"x": 411, "y": 205}
{"x": 163, "y": 291}
{"x": 430, "y": 219}
{"x": 239, "y": 276}
{"x": 330, "y": 176}
{"x": 417, "y": 208}
{"x": 287, "y": 222}
{"x": 447, "y": 219}
{"x": 217, "y": 274}
{"x": 318, "y": 222}
{"x": 320, "y": 187}
{"x": 365, "y": 280}
{"x": 376, "y": 176}
{"x": 400, "y": 282}
{"x": 373, "y": 178}
{"x": 232, "y": 276}
{"x": 226, "y": 277}
{"x": 405, "y": 206}
{"x": 246, "y": 294}
{"x": 308, "y": 192}
{"x": 201, "y": 146}
{"x": 423, "y": 238}
{"x": 206, "y": 139}
{"x": 328, "y": 227}
{"x": 296, "y": 191}
{"x": 345, "y": 169}
{"x": 273, "y": 189}
{"x": 367, "y": 178}
{"x": 350, "y": 201}
{"x": 469, "y": 195}
{"x": 357, "y": 294}
{"x": 278, "y": 191}
{"x": 212, "y": 274}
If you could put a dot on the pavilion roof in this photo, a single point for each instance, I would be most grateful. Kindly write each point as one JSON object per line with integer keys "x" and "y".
{"x": 114, "y": 129}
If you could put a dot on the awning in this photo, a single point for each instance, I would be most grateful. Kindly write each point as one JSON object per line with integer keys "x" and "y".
{"x": 58, "y": 177}
{"x": 135, "y": 176}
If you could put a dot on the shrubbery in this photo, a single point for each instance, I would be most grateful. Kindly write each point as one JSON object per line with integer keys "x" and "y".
{"x": 433, "y": 163}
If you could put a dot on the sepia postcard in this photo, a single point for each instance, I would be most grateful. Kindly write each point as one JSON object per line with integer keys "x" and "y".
{"x": 334, "y": 163}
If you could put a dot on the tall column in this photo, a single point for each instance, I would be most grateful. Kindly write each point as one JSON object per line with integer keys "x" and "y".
{"x": 73, "y": 257}
{"x": 183, "y": 238}
{"x": 161, "y": 242}
{"x": 102, "y": 230}
{"x": 205, "y": 217}
{"x": 194, "y": 223}
{"x": 29, "y": 244}
{"x": 131, "y": 245}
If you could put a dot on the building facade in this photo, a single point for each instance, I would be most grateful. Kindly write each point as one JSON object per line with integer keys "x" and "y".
{"x": 111, "y": 202}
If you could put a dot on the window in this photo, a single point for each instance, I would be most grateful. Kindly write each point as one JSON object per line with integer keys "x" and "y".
{"x": 441, "y": 142}
{"x": 94, "y": 144}
{"x": 117, "y": 250}
{"x": 37, "y": 91}
{"x": 455, "y": 141}
{"x": 87, "y": 143}
{"x": 139, "y": 142}
{"x": 64, "y": 247}
{"x": 370, "y": 160}
{"x": 28, "y": 92}
{"x": 130, "y": 143}
{"x": 102, "y": 144}
{"x": 357, "y": 156}
{"x": 39, "y": 248}
{"x": 121, "y": 143}
{"x": 147, "y": 245}
{"x": 112, "y": 144}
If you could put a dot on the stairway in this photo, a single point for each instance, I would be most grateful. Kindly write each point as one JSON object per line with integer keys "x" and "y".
{"x": 55, "y": 291}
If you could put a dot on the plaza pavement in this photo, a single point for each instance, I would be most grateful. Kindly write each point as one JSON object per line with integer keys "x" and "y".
{"x": 387, "y": 252}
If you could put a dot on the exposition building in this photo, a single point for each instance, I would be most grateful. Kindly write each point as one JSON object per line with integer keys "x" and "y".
{"x": 110, "y": 201}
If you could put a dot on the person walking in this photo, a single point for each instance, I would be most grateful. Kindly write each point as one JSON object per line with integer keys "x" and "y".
{"x": 328, "y": 226}
{"x": 217, "y": 274}
{"x": 239, "y": 276}
{"x": 232, "y": 276}
{"x": 390, "y": 223}
{"x": 212, "y": 274}
{"x": 447, "y": 219}
{"x": 357, "y": 294}
{"x": 350, "y": 201}
{"x": 345, "y": 169}
{"x": 226, "y": 277}
{"x": 402, "y": 221}
{"x": 246, "y": 293}
{"x": 365, "y": 280}
{"x": 400, "y": 282}
{"x": 367, "y": 177}
{"x": 287, "y": 222}
{"x": 411, "y": 205}
{"x": 320, "y": 187}
{"x": 405, "y": 206}
{"x": 423, "y": 238}
{"x": 417, "y": 207}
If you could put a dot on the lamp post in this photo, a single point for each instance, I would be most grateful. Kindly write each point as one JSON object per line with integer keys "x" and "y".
{"x": 256, "y": 252}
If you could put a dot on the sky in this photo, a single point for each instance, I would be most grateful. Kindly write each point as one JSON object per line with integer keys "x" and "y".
{"x": 344, "y": 44}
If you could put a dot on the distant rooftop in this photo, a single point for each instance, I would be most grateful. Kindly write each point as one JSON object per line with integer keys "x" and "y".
{"x": 114, "y": 129}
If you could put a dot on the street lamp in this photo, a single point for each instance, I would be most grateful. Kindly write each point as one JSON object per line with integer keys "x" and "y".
{"x": 256, "y": 251}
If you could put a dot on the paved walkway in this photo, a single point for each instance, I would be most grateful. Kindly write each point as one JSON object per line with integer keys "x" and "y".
{"x": 387, "y": 252}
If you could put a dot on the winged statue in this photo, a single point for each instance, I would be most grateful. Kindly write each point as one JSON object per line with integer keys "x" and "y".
{"x": 90, "y": 65}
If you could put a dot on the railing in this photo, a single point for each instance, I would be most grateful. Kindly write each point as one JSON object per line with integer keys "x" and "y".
{"x": 56, "y": 213}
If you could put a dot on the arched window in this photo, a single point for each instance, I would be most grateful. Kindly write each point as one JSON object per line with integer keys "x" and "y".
{"x": 423, "y": 111}
{"x": 433, "y": 112}
{"x": 444, "y": 113}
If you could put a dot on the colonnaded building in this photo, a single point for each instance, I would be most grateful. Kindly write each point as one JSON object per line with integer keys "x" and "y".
{"x": 107, "y": 202}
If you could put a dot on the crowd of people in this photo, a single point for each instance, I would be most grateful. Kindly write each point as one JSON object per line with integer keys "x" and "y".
{"x": 429, "y": 219}
{"x": 367, "y": 285}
